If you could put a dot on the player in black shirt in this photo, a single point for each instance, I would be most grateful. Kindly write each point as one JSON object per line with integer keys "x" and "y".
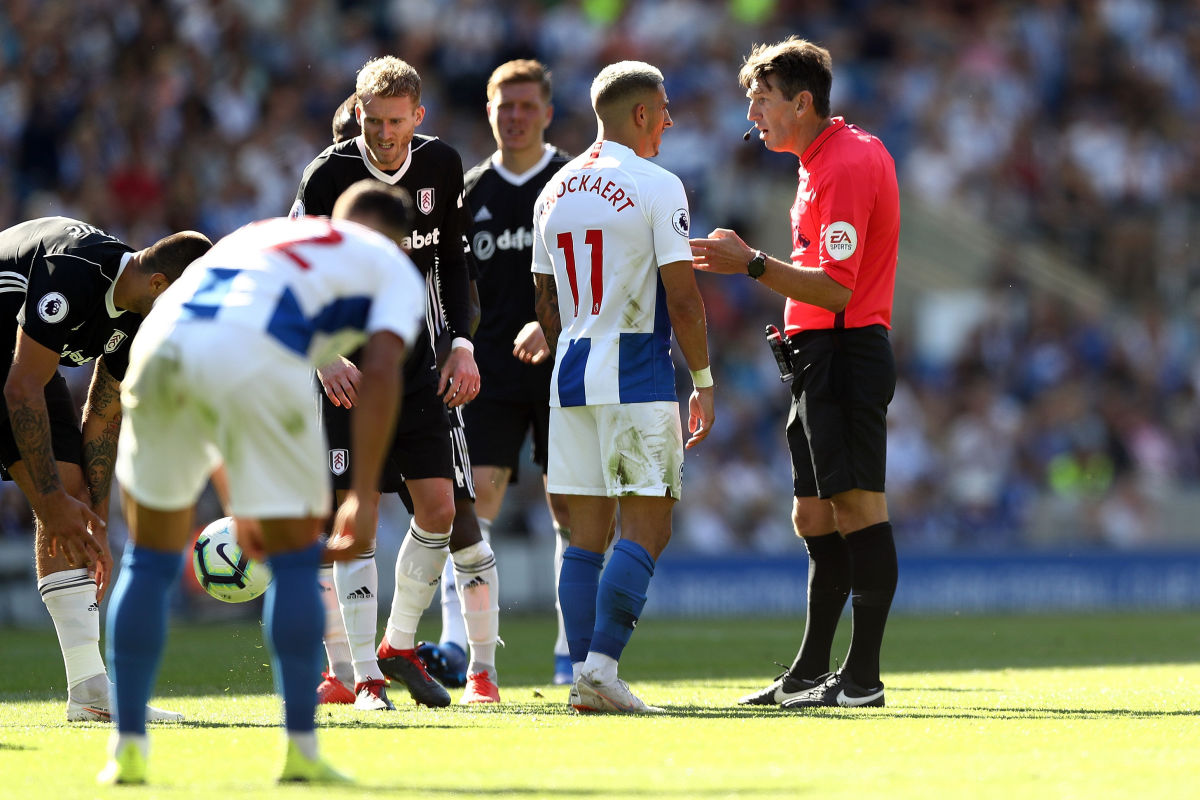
{"x": 428, "y": 457}
{"x": 511, "y": 351}
{"x": 71, "y": 294}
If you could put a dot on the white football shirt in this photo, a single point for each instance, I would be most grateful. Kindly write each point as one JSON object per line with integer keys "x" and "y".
{"x": 603, "y": 226}
{"x": 317, "y": 286}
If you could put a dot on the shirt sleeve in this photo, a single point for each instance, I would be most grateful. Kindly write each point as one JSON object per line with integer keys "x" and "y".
{"x": 452, "y": 270}
{"x": 315, "y": 196}
{"x": 844, "y": 212}
{"x": 541, "y": 256}
{"x": 399, "y": 304}
{"x": 671, "y": 221}
{"x": 59, "y": 297}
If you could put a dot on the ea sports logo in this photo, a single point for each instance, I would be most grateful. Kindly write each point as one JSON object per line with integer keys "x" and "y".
{"x": 841, "y": 240}
{"x": 52, "y": 307}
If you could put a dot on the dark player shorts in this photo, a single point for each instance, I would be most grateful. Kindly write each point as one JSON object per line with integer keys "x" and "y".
{"x": 837, "y": 426}
{"x": 65, "y": 436}
{"x": 496, "y": 430}
{"x": 421, "y": 446}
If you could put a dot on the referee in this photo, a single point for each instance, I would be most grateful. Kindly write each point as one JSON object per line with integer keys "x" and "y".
{"x": 838, "y": 283}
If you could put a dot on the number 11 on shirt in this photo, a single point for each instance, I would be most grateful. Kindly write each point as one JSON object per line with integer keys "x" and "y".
{"x": 594, "y": 239}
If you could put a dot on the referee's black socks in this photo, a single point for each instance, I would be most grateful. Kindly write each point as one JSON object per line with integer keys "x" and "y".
{"x": 828, "y": 587}
{"x": 873, "y": 558}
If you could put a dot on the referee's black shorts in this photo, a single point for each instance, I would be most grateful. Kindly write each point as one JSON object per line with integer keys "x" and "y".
{"x": 837, "y": 426}
{"x": 496, "y": 430}
{"x": 66, "y": 440}
{"x": 421, "y": 446}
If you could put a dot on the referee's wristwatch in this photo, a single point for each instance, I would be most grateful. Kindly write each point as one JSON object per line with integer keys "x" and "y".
{"x": 757, "y": 265}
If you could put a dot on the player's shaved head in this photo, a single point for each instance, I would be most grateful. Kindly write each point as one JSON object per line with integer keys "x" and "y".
{"x": 621, "y": 86}
{"x": 387, "y": 76}
{"x": 171, "y": 255}
{"x": 387, "y": 209}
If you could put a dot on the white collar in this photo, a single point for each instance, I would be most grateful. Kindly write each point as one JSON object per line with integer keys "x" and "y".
{"x": 390, "y": 179}
{"x": 524, "y": 177}
{"x": 113, "y": 311}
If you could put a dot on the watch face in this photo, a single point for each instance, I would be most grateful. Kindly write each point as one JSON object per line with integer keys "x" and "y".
{"x": 757, "y": 266}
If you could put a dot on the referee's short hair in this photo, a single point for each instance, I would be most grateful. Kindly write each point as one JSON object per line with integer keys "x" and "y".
{"x": 794, "y": 65}
{"x": 388, "y": 207}
{"x": 172, "y": 254}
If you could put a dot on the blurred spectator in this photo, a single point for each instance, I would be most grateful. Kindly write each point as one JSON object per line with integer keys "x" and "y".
{"x": 1064, "y": 125}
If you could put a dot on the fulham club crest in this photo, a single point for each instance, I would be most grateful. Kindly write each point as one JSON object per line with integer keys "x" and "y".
{"x": 339, "y": 461}
{"x": 114, "y": 341}
{"x": 425, "y": 200}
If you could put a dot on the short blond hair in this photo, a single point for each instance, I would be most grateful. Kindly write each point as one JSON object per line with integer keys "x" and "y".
{"x": 624, "y": 81}
{"x": 387, "y": 76}
{"x": 521, "y": 70}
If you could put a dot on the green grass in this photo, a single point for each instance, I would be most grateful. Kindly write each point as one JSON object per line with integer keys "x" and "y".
{"x": 988, "y": 707}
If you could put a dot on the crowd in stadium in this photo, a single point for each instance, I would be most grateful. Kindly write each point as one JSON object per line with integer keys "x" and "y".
{"x": 1065, "y": 124}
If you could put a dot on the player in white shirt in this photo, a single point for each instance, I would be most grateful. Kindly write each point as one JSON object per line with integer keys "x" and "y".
{"x": 221, "y": 372}
{"x": 613, "y": 278}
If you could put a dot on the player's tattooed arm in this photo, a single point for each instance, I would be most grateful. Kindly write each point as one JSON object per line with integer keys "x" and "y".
{"x": 546, "y": 304}
{"x": 101, "y": 428}
{"x": 31, "y": 429}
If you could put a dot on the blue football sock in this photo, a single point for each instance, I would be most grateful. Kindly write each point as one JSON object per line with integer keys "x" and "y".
{"x": 577, "y": 583}
{"x": 621, "y": 597}
{"x": 294, "y": 619}
{"x": 136, "y": 631}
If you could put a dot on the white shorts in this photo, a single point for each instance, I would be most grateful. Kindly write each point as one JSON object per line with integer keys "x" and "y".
{"x": 201, "y": 394}
{"x": 616, "y": 450}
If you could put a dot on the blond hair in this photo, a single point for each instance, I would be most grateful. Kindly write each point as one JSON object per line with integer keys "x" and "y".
{"x": 521, "y": 70}
{"x": 622, "y": 82}
{"x": 387, "y": 76}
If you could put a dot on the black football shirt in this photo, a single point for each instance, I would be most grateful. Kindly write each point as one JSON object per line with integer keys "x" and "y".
{"x": 500, "y": 205}
{"x": 433, "y": 175}
{"x": 56, "y": 283}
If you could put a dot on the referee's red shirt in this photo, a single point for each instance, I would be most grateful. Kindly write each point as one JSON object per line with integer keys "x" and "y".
{"x": 846, "y": 220}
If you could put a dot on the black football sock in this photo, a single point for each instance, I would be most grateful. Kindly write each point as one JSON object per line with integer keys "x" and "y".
{"x": 873, "y": 552}
{"x": 829, "y": 578}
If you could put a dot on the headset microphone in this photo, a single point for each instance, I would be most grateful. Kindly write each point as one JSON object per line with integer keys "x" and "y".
{"x": 746, "y": 135}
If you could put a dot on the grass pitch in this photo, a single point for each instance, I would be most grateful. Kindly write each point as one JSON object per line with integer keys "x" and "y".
{"x": 982, "y": 707}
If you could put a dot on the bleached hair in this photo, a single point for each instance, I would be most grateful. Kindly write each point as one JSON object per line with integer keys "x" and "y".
{"x": 624, "y": 81}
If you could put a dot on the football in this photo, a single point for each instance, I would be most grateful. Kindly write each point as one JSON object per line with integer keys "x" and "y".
{"x": 223, "y": 569}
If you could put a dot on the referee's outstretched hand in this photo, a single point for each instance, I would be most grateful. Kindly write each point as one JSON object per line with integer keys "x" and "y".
{"x": 723, "y": 252}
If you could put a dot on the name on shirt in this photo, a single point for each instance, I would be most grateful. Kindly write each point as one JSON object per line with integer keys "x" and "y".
{"x": 595, "y": 184}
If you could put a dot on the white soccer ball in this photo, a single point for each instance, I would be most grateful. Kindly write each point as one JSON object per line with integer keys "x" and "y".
{"x": 223, "y": 569}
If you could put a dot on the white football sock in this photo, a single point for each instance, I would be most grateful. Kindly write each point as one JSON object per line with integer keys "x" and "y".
{"x": 337, "y": 648}
{"x": 117, "y": 741}
{"x": 562, "y": 539}
{"x": 357, "y": 584}
{"x": 479, "y": 588}
{"x": 70, "y": 597}
{"x": 418, "y": 569}
{"x": 306, "y": 743}
{"x": 600, "y": 668}
{"x": 453, "y": 629}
